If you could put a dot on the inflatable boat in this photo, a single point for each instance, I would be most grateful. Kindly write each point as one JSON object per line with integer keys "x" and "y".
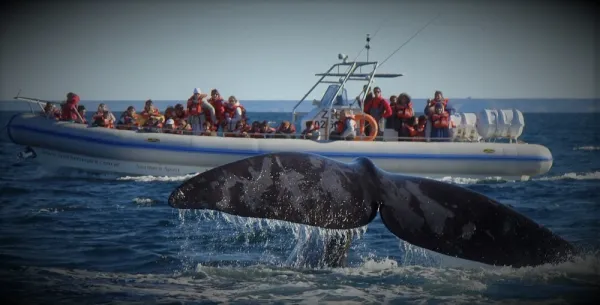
{"x": 473, "y": 151}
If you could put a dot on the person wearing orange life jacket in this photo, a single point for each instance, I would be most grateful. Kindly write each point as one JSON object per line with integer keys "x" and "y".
{"x": 103, "y": 117}
{"x": 285, "y": 130}
{"x": 379, "y": 109}
{"x": 422, "y": 122}
{"x": 345, "y": 127}
{"x": 234, "y": 112}
{"x": 51, "y": 112}
{"x": 218, "y": 104}
{"x": 409, "y": 129}
{"x": 440, "y": 124}
{"x": 152, "y": 116}
{"x": 128, "y": 119}
{"x": 430, "y": 109}
{"x": 311, "y": 131}
{"x": 198, "y": 109}
{"x": 403, "y": 112}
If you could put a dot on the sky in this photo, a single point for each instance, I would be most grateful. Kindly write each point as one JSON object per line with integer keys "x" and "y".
{"x": 270, "y": 50}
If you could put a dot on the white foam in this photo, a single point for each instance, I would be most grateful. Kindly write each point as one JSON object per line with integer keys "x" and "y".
{"x": 572, "y": 176}
{"x": 587, "y": 148}
{"x": 157, "y": 178}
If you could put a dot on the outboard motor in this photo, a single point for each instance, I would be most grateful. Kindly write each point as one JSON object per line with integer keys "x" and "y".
{"x": 26, "y": 154}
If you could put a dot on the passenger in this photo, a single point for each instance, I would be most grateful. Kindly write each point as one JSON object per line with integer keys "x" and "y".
{"x": 242, "y": 129}
{"x": 196, "y": 106}
{"x": 440, "y": 129}
{"x": 379, "y": 109}
{"x": 208, "y": 130}
{"x": 182, "y": 127}
{"x": 421, "y": 124}
{"x": 266, "y": 130}
{"x": 438, "y": 98}
{"x": 285, "y": 130}
{"x": 345, "y": 127}
{"x": 169, "y": 126}
{"x": 255, "y": 130}
{"x": 217, "y": 102}
{"x": 392, "y": 121}
{"x": 69, "y": 109}
{"x": 409, "y": 130}
{"x": 128, "y": 119}
{"x": 234, "y": 112}
{"x": 103, "y": 120}
{"x": 180, "y": 112}
{"x": 169, "y": 113}
{"x": 81, "y": 111}
{"x": 103, "y": 117}
{"x": 51, "y": 112}
{"x": 403, "y": 112}
{"x": 153, "y": 120}
{"x": 311, "y": 131}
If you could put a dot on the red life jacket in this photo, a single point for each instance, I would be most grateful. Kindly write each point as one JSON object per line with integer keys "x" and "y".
{"x": 219, "y": 111}
{"x": 409, "y": 131}
{"x": 69, "y": 109}
{"x": 404, "y": 112}
{"x": 441, "y": 120}
{"x": 420, "y": 130}
{"x": 194, "y": 109}
{"x": 341, "y": 125}
{"x": 232, "y": 109}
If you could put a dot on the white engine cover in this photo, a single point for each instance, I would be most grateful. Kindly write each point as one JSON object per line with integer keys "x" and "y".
{"x": 504, "y": 123}
{"x": 465, "y": 127}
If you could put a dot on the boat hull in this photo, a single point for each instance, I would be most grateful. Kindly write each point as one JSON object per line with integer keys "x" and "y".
{"x": 195, "y": 153}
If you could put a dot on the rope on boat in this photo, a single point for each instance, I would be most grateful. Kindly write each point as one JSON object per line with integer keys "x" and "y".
{"x": 409, "y": 39}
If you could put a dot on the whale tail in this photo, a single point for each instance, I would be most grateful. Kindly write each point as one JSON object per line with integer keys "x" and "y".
{"x": 313, "y": 190}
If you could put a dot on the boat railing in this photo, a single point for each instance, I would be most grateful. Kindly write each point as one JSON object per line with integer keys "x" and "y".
{"x": 237, "y": 134}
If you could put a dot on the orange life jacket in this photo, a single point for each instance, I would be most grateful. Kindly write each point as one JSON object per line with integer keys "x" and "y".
{"x": 341, "y": 125}
{"x": 441, "y": 120}
{"x": 404, "y": 112}
{"x": 232, "y": 109}
{"x": 194, "y": 108}
{"x": 409, "y": 131}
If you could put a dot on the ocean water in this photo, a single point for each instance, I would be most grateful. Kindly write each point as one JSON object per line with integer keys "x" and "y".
{"x": 81, "y": 238}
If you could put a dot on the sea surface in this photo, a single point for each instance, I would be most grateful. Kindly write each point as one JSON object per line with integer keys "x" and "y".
{"x": 80, "y": 238}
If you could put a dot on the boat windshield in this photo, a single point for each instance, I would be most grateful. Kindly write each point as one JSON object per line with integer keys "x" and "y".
{"x": 328, "y": 97}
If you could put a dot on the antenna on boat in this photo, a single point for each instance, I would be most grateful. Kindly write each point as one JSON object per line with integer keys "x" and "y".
{"x": 367, "y": 46}
{"x": 18, "y": 94}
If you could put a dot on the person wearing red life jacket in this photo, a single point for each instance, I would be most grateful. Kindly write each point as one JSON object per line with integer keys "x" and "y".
{"x": 430, "y": 109}
{"x": 219, "y": 105}
{"x": 153, "y": 118}
{"x": 128, "y": 119}
{"x": 409, "y": 129}
{"x": 68, "y": 110}
{"x": 379, "y": 109}
{"x": 199, "y": 111}
{"x": 403, "y": 112}
{"x": 311, "y": 131}
{"x": 234, "y": 112}
{"x": 440, "y": 124}
{"x": 345, "y": 127}
{"x": 103, "y": 117}
{"x": 285, "y": 130}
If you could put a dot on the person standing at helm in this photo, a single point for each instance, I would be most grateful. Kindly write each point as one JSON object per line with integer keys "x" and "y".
{"x": 379, "y": 109}
{"x": 196, "y": 105}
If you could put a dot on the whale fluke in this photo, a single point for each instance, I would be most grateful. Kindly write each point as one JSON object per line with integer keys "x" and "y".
{"x": 313, "y": 190}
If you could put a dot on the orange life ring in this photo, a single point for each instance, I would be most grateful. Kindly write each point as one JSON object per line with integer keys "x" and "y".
{"x": 360, "y": 120}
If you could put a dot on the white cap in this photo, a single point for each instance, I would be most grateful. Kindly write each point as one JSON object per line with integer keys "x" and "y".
{"x": 170, "y": 122}
{"x": 197, "y": 90}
